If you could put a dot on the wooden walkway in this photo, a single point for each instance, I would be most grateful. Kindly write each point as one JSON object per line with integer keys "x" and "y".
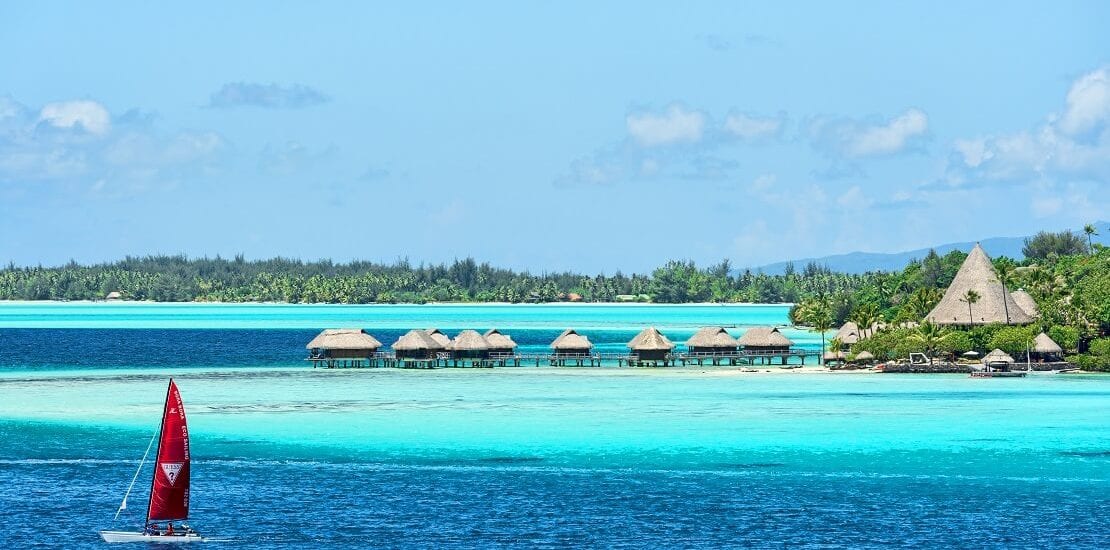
{"x": 597, "y": 359}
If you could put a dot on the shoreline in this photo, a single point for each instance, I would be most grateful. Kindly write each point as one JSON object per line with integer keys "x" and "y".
{"x": 407, "y": 304}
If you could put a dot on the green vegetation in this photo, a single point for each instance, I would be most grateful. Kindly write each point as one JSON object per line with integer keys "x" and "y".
{"x": 177, "y": 279}
{"x": 1068, "y": 280}
{"x": 1045, "y": 245}
{"x": 1097, "y": 357}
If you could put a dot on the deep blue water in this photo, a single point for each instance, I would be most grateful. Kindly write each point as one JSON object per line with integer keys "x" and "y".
{"x": 123, "y": 348}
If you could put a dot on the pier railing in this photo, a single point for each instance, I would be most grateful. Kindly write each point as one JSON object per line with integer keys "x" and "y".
{"x": 594, "y": 359}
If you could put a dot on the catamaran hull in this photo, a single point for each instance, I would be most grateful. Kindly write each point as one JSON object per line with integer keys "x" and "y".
{"x": 128, "y": 536}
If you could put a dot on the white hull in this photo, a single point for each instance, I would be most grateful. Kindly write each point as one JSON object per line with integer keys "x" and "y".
{"x": 130, "y": 536}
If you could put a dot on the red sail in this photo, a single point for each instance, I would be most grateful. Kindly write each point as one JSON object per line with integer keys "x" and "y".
{"x": 169, "y": 492}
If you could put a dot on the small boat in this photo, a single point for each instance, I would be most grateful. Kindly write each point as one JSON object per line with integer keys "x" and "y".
{"x": 169, "y": 487}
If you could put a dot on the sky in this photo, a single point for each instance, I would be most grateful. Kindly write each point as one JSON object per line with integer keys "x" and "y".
{"x": 546, "y": 136}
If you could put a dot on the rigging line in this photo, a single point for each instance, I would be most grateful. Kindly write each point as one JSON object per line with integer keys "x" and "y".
{"x": 123, "y": 504}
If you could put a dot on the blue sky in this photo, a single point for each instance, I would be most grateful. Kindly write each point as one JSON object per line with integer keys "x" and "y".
{"x": 546, "y": 136}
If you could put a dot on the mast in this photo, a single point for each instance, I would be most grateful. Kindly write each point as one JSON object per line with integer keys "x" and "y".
{"x": 161, "y": 426}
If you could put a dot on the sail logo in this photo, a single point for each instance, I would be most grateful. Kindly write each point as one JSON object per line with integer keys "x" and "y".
{"x": 172, "y": 469}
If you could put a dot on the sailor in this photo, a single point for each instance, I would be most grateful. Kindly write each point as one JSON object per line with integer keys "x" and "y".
{"x": 169, "y": 529}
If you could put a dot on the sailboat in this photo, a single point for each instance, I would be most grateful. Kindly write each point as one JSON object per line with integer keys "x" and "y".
{"x": 169, "y": 487}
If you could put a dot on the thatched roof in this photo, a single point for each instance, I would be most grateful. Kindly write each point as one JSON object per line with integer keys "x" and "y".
{"x": 439, "y": 336}
{"x": 497, "y": 340}
{"x": 570, "y": 339}
{"x": 1043, "y": 344}
{"x": 1026, "y": 303}
{"x": 876, "y": 327}
{"x": 469, "y": 340}
{"x": 113, "y": 295}
{"x": 865, "y": 356}
{"x": 712, "y": 337}
{"x": 344, "y": 338}
{"x": 978, "y": 274}
{"x": 764, "y": 337}
{"x": 417, "y": 340}
{"x": 833, "y": 355}
{"x": 650, "y": 339}
{"x": 997, "y": 356}
{"x": 848, "y": 333}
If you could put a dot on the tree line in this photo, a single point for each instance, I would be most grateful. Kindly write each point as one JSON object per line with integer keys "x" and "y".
{"x": 178, "y": 278}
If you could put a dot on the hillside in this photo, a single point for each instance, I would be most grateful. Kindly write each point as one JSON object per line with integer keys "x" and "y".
{"x": 862, "y": 262}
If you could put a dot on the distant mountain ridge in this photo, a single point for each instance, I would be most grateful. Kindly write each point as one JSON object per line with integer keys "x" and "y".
{"x": 862, "y": 262}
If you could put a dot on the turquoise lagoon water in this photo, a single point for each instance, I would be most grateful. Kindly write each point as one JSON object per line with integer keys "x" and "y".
{"x": 287, "y": 456}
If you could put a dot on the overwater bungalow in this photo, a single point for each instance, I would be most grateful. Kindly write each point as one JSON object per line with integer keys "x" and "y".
{"x": 1045, "y": 349}
{"x": 571, "y": 343}
{"x": 418, "y": 348}
{"x": 439, "y": 336}
{"x": 499, "y": 343}
{"x": 468, "y": 344}
{"x": 711, "y": 341}
{"x": 714, "y": 344}
{"x": 765, "y": 343}
{"x": 571, "y": 347}
{"x": 650, "y": 346}
{"x": 994, "y": 305}
{"x": 342, "y": 347}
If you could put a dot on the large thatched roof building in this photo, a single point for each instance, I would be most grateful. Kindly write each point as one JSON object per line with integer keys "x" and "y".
{"x": 711, "y": 340}
{"x": 344, "y": 343}
{"x": 994, "y": 304}
{"x": 848, "y": 334}
{"x": 764, "y": 338}
{"x": 499, "y": 342}
{"x": 571, "y": 343}
{"x": 1026, "y": 303}
{"x": 650, "y": 345}
{"x": 417, "y": 344}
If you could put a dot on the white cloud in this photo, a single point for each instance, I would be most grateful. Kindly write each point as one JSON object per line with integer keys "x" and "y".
{"x": 858, "y": 139}
{"x": 676, "y": 124}
{"x": 974, "y": 151}
{"x": 88, "y": 115}
{"x": 890, "y": 137}
{"x": 1087, "y": 103}
{"x": 88, "y": 148}
{"x": 1074, "y": 145}
{"x": 753, "y": 127}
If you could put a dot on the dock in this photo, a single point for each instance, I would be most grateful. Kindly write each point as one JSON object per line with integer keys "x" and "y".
{"x": 388, "y": 359}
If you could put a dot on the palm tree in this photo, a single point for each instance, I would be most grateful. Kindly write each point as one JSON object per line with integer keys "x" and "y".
{"x": 834, "y": 346}
{"x": 1006, "y": 276}
{"x": 970, "y": 297}
{"x": 863, "y": 317}
{"x": 820, "y": 318}
{"x": 930, "y": 337}
{"x": 1090, "y": 230}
